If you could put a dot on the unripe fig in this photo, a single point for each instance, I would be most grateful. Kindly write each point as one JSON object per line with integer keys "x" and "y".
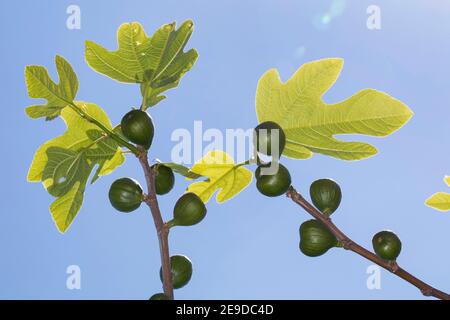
{"x": 159, "y": 296}
{"x": 181, "y": 271}
{"x": 138, "y": 127}
{"x": 263, "y": 134}
{"x": 315, "y": 238}
{"x": 387, "y": 245}
{"x": 326, "y": 195}
{"x": 188, "y": 210}
{"x": 164, "y": 179}
{"x": 273, "y": 185}
{"x": 125, "y": 194}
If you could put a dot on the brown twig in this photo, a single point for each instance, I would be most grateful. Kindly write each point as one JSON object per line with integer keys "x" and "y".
{"x": 349, "y": 244}
{"x": 162, "y": 229}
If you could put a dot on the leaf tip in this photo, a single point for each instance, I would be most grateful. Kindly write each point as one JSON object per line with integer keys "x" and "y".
{"x": 269, "y": 75}
{"x": 88, "y": 48}
{"x": 60, "y": 230}
{"x": 447, "y": 180}
{"x": 371, "y": 152}
{"x": 439, "y": 201}
{"x": 87, "y": 43}
{"x": 430, "y": 203}
{"x": 189, "y": 24}
{"x": 169, "y": 27}
{"x": 195, "y": 53}
{"x": 28, "y": 112}
{"x": 29, "y": 73}
{"x": 336, "y": 60}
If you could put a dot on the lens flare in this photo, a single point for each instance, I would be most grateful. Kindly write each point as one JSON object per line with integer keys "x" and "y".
{"x": 336, "y": 9}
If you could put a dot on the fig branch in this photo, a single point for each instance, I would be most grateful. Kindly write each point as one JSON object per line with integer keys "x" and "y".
{"x": 126, "y": 195}
{"x": 162, "y": 229}
{"x": 349, "y": 244}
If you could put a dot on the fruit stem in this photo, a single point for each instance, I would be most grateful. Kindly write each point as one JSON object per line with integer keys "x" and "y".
{"x": 144, "y": 97}
{"x": 339, "y": 244}
{"x": 349, "y": 244}
{"x": 245, "y": 163}
{"x": 170, "y": 224}
{"x": 162, "y": 229}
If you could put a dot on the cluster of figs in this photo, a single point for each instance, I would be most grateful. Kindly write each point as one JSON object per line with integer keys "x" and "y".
{"x": 315, "y": 238}
{"x": 126, "y": 195}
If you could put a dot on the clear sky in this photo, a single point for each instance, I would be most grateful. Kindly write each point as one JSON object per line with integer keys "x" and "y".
{"x": 247, "y": 247}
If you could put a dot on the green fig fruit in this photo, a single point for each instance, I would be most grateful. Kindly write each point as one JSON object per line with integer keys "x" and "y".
{"x": 181, "y": 268}
{"x": 387, "y": 245}
{"x": 326, "y": 195}
{"x": 164, "y": 179}
{"x": 159, "y": 296}
{"x": 125, "y": 194}
{"x": 188, "y": 210}
{"x": 138, "y": 127}
{"x": 273, "y": 185}
{"x": 315, "y": 238}
{"x": 263, "y": 138}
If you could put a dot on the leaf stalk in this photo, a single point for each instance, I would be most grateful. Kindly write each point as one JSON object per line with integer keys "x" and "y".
{"x": 107, "y": 131}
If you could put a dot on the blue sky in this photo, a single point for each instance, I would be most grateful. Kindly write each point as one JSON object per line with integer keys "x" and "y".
{"x": 247, "y": 247}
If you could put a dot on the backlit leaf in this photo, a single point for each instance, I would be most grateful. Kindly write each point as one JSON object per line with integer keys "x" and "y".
{"x": 310, "y": 124}
{"x": 64, "y": 164}
{"x": 157, "y": 62}
{"x": 224, "y": 175}
{"x": 41, "y": 86}
{"x": 440, "y": 200}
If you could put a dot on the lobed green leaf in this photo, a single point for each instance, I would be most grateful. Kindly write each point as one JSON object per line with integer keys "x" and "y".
{"x": 157, "y": 62}
{"x": 64, "y": 164}
{"x": 223, "y": 175}
{"x": 41, "y": 86}
{"x": 310, "y": 124}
